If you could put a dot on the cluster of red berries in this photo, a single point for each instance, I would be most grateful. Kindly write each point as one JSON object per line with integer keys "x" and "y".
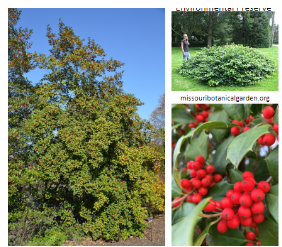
{"x": 267, "y": 139}
{"x": 201, "y": 115}
{"x": 202, "y": 179}
{"x": 242, "y": 205}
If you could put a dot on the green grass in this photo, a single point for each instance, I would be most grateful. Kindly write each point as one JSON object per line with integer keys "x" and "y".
{"x": 180, "y": 83}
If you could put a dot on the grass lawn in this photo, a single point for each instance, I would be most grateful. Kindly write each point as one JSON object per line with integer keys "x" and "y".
{"x": 180, "y": 83}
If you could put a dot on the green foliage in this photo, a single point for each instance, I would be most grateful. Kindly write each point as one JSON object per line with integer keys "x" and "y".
{"x": 229, "y": 65}
{"x": 53, "y": 237}
{"x": 82, "y": 153}
{"x": 231, "y": 156}
{"x": 251, "y": 28}
{"x": 180, "y": 83}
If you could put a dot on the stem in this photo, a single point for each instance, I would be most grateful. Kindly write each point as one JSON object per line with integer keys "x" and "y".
{"x": 219, "y": 218}
{"x": 269, "y": 179}
{"x": 209, "y": 215}
{"x": 218, "y": 208}
{"x": 180, "y": 200}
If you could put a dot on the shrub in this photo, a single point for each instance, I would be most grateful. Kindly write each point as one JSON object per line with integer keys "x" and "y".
{"x": 229, "y": 65}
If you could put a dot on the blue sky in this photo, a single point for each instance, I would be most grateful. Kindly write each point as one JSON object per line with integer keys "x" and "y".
{"x": 135, "y": 37}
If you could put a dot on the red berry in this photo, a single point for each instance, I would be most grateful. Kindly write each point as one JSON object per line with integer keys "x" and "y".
{"x": 197, "y": 184}
{"x": 196, "y": 166}
{"x": 199, "y": 118}
{"x": 209, "y": 177}
{"x": 240, "y": 123}
{"x": 250, "y": 244}
{"x": 259, "y": 243}
{"x": 235, "y": 131}
{"x": 268, "y": 112}
{"x": 257, "y": 208}
{"x": 234, "y": 223}
{"x": 222, "y": 226}
{"x": 217, "y": 178}
{"x": 246, "y": 200}
{"x": 210, "y": 207}
{"x": 226, "y": 203}
{"x": 268, "y": 139}
{"x": 244, "y": 212}
{"x": 246, "y": 222}
{"x": 206, "y": 182}
{"x": 189, "y": 164}
{"x": 218, "y": 206}
{"x": 246, "y": 128}
{"x": 252, "y": 180}
{"x": 227, "y": 214}
{"x": 250, "y": 235}
{"x": 200, "y": 159}
{"x": 188, "y": 189}
{"x": 203, "y": 191}
{"x": 210, "y": 169}
{"x": 189, "y": 198}
{"x": 260, "y": 140}
{"x": 256, "y": 230}
{"x": 237, "y": 187}
{"x": 247, "y": 174}
{"x": 264, "y": 186}
{"x": 201, "y": 173}
{"x": 247, "y": 185}
{"x": 247, "y": 120}
{"x": 254, "y": 224}
{"x": 229, "y": 193}
{"x": 185, "y": 183}
{"x": 258, "y": 218}
{"x": 176, "y": 204}
{"x": 196, "y": 198}
{"x": 235, "y": 197}
{"x": 204, "y": 114}
{"x": 257, "y": 195}
{"x": 276, "y": 128}
{"x": 193, "y": 173}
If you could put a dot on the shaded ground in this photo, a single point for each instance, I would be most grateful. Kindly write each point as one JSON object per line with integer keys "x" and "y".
{"x": 158, "y": 237}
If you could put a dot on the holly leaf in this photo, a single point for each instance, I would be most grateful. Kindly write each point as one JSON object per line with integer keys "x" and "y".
{"x": 235, "y": 175}
{"x": 181, "y": 212}
{"x": 235, "y": 111}
{"x": 198, "y": 146}
{"x": 272, "y": 164}
{"x": 202, "y": 236}
{"x": 276, "y": 116}
{"x": 181, "y": 116}
{"x": 212, "y": 125}
{"x": 243, "y": 143}
{"x": 268, "y": 232}
{"x": 175, "y": 191}
{"x": 218, "y": 134}
{"x": 183, "y": 231}
{"x": 218, "y": 191}
{"x": 272, "y": 202}
{"x": 261, "y": 173}
{"x": 220, "y": 160}
{"x": 232, "y": 237}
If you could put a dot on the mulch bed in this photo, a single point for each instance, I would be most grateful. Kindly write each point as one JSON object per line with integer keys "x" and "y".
{"x": 158, "y": 237}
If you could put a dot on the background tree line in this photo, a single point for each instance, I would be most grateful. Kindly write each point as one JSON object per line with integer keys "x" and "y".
{"x": 254, "y": 29}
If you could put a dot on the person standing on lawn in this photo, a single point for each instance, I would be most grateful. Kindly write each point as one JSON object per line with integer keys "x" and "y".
{"x": 184, "y": 47}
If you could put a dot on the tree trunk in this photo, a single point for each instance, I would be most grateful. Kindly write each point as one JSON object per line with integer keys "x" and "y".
{"x": 272, "y": 30}
{"x": 210, "y": 24}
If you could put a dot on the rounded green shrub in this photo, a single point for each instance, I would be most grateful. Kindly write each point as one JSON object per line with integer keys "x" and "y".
{"x": 229, "y": 65}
